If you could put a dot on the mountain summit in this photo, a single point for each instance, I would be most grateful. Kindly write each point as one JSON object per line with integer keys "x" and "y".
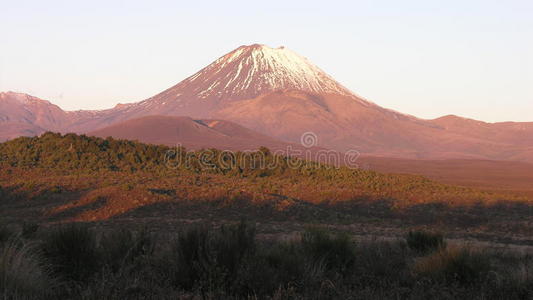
{"x": 252, "y": 70}
{"x": 245, "y": 73}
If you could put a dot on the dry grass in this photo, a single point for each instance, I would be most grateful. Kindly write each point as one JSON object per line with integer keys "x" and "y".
{"x": 425, "y": 242}
{"x": 23, "y": 273}
{"x": 213, "y": 263}
{"x": 455, "y": 264}
{"x": 230, "y": 263}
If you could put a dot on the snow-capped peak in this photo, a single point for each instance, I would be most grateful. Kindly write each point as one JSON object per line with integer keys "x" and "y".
{"x": 249, "y": 71}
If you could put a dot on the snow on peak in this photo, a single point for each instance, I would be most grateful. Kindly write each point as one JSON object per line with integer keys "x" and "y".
{"x": 21, "y": 98}
{"x": 249, "y": 71}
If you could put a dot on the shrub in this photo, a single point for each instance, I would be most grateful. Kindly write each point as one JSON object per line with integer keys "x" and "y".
{"x": 228, "y": 263}
{"x": 127, "y": 186}
{"x": 337, "y": 251}
{"x": 424, "y": 242}
{"x": 72, "y": 252}
{"x": 382, "y": 261}
{"x": 191, "y": 257}
{"x": 212, "y": 258}
{"x": 56, "y": 189}
{"x": 272, "y": 267}
{"x": 122, "y": 247}
{"x": 22, "y": 275}
{"x": 29, "y": 229}
{"x": 457, "y": 264}
{"x": 231, "y": 244}
{"x": 5, "y": 234}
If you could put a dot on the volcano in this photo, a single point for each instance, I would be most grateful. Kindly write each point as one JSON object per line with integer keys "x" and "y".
{"x": 281, "y": 94}
{"x": 245, "y": 73}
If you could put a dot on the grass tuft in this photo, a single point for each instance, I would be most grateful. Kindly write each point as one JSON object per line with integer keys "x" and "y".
{"x": 72, "y": 251}
{"x": 23, "y": 275}
{"x": 460, "y": 265}
{"x": 425, "y": 242}
{"x": 335, "y": 251}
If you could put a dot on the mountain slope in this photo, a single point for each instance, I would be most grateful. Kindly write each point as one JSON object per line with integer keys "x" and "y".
{"x": 193, "y": 134}
{"x": 343, "y": 124}
{"x": 25, "y": 113}
{"x": 12, "y": 130}
{"x": 516, "y": 133}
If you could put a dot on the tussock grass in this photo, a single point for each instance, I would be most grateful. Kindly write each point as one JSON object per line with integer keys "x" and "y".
{"x": 5, "y": 234}
{"x": 29, "y": 229}
{"x": 460, "y": 265}
{"x": 72, "y": 252}
{"x": 208, "y": 258}
{"x": 334, "y": 251}
{"x": 425, "y": 242}
{"x": 230, "y": 263}
{"x": 122, "y": 247}
{"x": 23, "y": 273}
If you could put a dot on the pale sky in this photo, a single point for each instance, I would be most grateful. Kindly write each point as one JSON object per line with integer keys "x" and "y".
{"x": 472, "y": 58}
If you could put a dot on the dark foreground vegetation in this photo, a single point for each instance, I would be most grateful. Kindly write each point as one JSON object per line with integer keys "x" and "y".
{"x": 62, "y": 178}
{"x": 199, "y": 262}
{"x": 116, "y": 185}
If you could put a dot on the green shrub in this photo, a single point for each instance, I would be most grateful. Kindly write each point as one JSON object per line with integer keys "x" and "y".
{"x": 72, "y": 252}
{"x": 424, "y": 242}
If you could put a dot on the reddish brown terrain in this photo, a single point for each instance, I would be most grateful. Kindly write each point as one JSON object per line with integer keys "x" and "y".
{"x": 270, "y": 97}
{"x": 193, "y": 134}
{"x": 483, "y": 174}
{"x": 197, "y": 134}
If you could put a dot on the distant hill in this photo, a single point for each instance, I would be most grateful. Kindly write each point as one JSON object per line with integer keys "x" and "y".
{"x": 192, "y": 134}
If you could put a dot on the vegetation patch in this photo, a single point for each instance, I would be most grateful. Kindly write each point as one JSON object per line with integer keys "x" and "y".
{"x": 425, "y": 242}
{"x": 230, "y": 262}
